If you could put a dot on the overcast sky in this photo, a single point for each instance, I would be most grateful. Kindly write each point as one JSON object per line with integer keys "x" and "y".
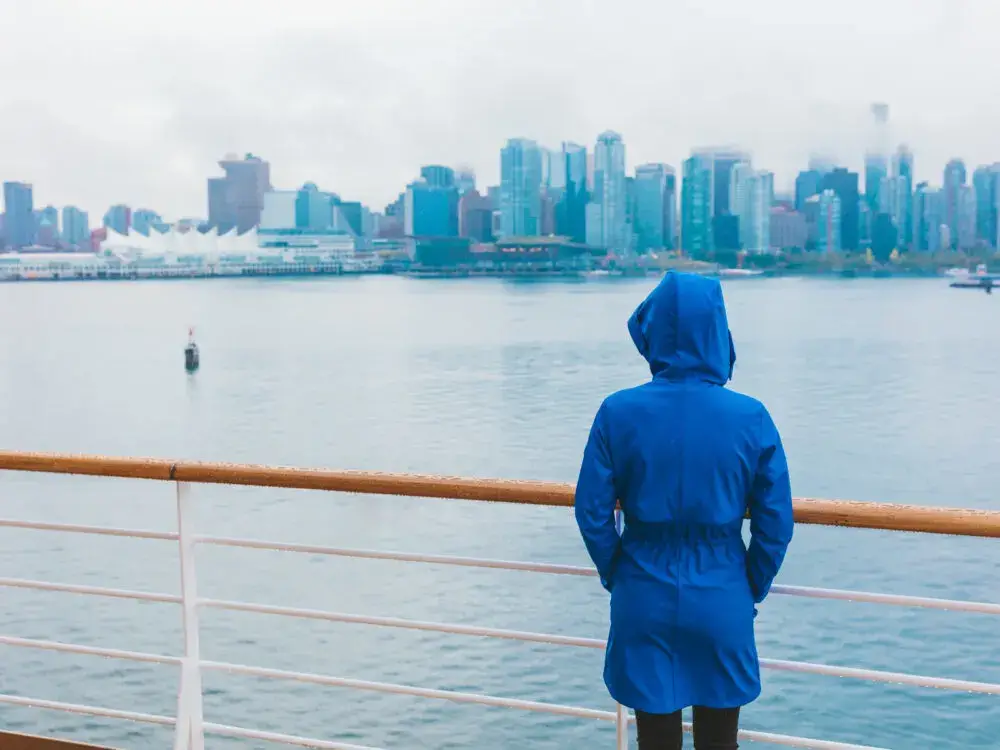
{"x": 134, "y": 101}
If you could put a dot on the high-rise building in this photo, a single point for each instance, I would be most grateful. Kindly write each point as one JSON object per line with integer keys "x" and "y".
{"x": 313, "y": 209}
{"x": 571, "y": 211}
{"x": 670, "y": 211}
{"x": 118, "y": 218}
{"x": 723, "y": 160}
{"x": 966, "y": 239}
{"x": 237, "y": 200}
{"x": 986, "y": 181}
{"x": 547, "y": 212}
{"x": 75, "y": 226}
{"x": 475, "y": 217}
{"x": 145, "y": 221}
{"x": 19, "y": 214}
{"x": 465, "y": 180}
{"x": 696, "y": 205}
{"x": 437, "y": 175}
{"x": 554, "y": 169}
{"x": 431, "y": 211}
{"x": 654, "y": 212}
{"x": 610, "y": 193}
{"x": 954, "y": 179}
{"x": 725, "y": 232}
{"x": 902, "y": 171}
{"x": 352, "y": 217}
{"x": 928, "y": 218}
{"x": 741, "y": 200}
{"x": 830, "y": 224}
{"x": 50, "y": 216}
{"x": 46, "y": 233}
{"x": 520, "y": 188}
{"x": 845, "y": 185}
{"x": 761, "y": 199}
{"x": 875, "y": 171}
{"x": 788, "y": 229}
{"x": 807, "y": 184}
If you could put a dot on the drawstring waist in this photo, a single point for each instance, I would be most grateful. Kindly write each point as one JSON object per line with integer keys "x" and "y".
{"x": 681, "y": 531}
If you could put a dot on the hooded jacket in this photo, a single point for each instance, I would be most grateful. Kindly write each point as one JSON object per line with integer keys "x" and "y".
{"x": 686, "y": 458}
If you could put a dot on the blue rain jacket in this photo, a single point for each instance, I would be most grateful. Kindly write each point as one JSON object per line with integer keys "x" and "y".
{"x": 686, "y": 458}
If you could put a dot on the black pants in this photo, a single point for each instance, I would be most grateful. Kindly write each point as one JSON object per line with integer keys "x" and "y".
{"x": 714, "y": 729}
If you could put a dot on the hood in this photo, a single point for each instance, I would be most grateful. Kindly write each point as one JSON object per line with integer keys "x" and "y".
{"x": 681, "y": 329}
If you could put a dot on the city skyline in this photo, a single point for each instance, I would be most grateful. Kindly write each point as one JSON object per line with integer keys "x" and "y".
{"x": 358, "y": 100}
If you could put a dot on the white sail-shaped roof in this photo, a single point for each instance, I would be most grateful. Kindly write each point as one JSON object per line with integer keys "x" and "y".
{"x": 172, "y": 244}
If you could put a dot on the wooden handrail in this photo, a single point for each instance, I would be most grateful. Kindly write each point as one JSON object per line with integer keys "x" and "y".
{"x": 886, "y": 516}
{"x": 17, "y": 741}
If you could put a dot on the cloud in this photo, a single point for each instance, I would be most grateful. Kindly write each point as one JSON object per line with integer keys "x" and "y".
{"x": 135, "y": 102}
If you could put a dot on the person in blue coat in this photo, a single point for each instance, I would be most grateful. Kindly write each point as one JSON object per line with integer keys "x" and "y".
{"x": 686, "y": 459}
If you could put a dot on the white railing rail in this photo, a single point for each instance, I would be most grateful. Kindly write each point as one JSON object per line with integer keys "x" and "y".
{"x": 190, "y": 725}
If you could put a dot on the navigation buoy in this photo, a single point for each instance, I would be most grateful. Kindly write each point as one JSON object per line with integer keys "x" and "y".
{"x": 192, "y": 358}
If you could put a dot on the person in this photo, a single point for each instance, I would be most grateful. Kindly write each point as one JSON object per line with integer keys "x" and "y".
{"x": 686, "y": 458}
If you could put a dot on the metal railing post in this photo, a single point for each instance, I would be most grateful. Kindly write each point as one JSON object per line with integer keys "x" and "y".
{"x": 189, "y": 734}
{"x": 621, "y": 725}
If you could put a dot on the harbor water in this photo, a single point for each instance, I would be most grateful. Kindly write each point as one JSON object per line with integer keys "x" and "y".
{"x": 884, "y": 390}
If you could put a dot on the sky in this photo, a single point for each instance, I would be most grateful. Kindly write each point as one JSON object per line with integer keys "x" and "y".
{"x": 135, "y": 101}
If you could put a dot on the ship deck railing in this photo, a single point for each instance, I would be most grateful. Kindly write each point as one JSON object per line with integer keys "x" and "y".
{"x": 189, "y": 724}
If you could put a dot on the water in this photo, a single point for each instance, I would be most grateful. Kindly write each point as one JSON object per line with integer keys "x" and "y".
{"x": 883, "y": 389}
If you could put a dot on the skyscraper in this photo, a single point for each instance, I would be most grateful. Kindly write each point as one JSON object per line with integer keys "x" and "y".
{"x": 610, "y": 193}
{"x": 876, "y": 155}
{"x": 740, "y": 178}
{"x": 653, "y": 206}
{"x": 830, "y": 222}
{"x": 696, "y": 205}
{"x": 954, "y": 179}
{"x": 144, "y": 220}
{"x": 237, "y": 199}
{"x": 75, "y": 226}
{"x": 553, "y": 169}
{"x": 761, "y": 198}
{"x": 986, "y": 181}
{"x": 118, "y": 218}
{"x": 431, "y": 210}
{"x": 465, "y": 180}
{"x": 902, "y": 171}
{"x": 520, "y": 188}
{"x": 437, "y": 175}
{"x": 475, "y": 214}
{"x": 571, "y": 212}
{"x": 875, "y": 171}
{"x": 845, "y": 185}
{"x": 723, "y": 160}
{"x": 928, "y": 218}
{"x": 49, "y": 215}
{"x": 966, "y": 239}
{"x": 670, "y": 211}
{"x": 19, "y": 214}
{"x": 807, "y": 184}
{"x": 313, "y": 209}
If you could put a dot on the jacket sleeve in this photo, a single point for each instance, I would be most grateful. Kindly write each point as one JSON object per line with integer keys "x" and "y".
{"x": 770, "y": 511}
{"x": 595, "y": 502}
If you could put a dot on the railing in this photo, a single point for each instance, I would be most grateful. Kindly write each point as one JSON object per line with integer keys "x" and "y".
{"x": 190, "y": 725}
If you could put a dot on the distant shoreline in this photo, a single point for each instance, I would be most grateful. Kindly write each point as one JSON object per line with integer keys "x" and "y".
{"x": 535, "y": 275}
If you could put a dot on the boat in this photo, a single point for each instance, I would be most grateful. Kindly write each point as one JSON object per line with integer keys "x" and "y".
{"x": 981, "y": 279}
{"x": 192, "y": 358}
{"x": 739, "y": 273}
